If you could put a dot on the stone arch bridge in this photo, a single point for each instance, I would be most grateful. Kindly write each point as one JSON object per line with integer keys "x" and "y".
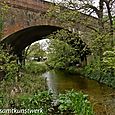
{"x": 24, "y": 23}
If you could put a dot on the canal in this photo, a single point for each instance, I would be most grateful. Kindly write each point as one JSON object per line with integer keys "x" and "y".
{"x": 101, "y": 96}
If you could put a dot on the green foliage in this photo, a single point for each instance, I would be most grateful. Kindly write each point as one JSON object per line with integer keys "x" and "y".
{"x": 1, "y": 25}
{"x": 31, "y": 83}
{"x": 105, "y": 74}
{"x": 71, "y": 102}
{"x": 92, "y": 70}
{"x": 4, "y": 7}
{"x": 35, "y": 51}
{"x": 64, "y": 16}
{"x": 74, "y": 70}
{"x": 28, "y": 84}
{"x": 72, "y": 39}
{"x": 61, "y": 55}
{"x": 75, "y": 102}
{"x": 41, "y": 101}
{"x": 66, "y": 50}
{"x": 16, "y": 81}
{"x": 35, "y": 67}
{"x": 99, "y": 43}
{"x": 8, "y": 65}
{"x": 3, "y": 12}
{"x": 109, "y": 59}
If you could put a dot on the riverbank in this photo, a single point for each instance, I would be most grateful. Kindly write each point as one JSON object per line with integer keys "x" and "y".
{"x": 92, "y": 71}
{"x": 30, "y": 92}
{"x": 28, "y": 84}
{"x": 104, "y": 75}
{"x": 101, "y": 96}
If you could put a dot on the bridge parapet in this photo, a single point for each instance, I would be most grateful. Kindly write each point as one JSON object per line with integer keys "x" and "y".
{"x": 32, "y": 5}
{"x": 27, "y": 13}
{"x": 18, "y": 19}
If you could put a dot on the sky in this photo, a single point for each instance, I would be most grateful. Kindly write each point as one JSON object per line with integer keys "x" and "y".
{"x": 95, "y": 1}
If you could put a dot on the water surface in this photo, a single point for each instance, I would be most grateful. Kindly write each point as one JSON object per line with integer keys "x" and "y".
{"x": 101, "y": 96}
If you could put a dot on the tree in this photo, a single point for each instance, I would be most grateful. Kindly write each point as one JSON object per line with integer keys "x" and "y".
{"x": 35, "y": 51}
{"x": 66, "y": 50}
{"x": 103, "y": 40}
{"x": 100, "y": 34}
{"x": 61, "y": 55}
{"x": 66, "y": 12}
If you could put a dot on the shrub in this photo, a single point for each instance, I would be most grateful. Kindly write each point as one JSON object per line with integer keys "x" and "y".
{"x": 35, "y": 67}
{"x": 75, "y": 102}
{"x": 8, "y": 65}
{"x": 40, "y": 101}
{"x": 101, "y": 73}
{"x": 70, "y": 103}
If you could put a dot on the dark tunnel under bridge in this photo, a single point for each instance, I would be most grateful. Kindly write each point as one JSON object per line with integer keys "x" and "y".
{"x": 19, "y": 40}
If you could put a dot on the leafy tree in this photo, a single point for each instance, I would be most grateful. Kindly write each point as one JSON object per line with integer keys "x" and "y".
{"x": 66, "y": 49}
{"x": 35, "y": 51}
{"x": 61, "y": 55}
{"x": 100, "y": 30}
{"x": 66, "y": 12}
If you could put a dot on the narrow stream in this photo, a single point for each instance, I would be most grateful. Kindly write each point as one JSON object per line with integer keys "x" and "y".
{"x": 101, "y": 96}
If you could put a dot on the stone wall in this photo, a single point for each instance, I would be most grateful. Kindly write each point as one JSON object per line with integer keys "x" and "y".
{"x": 27, "y": 13}
{"x": 20, "y": 18}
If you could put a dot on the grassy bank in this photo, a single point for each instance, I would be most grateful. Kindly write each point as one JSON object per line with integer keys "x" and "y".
{"x": 30, "y": 92}
{"x": 28, "y": 84}
{"x": 103, "y": 74}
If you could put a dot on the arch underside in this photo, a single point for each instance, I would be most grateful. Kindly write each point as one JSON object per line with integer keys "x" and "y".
{"x": 21, "y": 39}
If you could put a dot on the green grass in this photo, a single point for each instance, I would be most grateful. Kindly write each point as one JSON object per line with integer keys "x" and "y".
{"x": 30, "y": 92}
{"x": 28, "y": 84}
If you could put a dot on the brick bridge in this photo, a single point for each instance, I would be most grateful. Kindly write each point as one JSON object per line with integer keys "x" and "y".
{"x": 25, "y": 24}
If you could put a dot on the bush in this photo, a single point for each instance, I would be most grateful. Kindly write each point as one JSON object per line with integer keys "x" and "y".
{"x": 27, "y": 85}
{"x": 8, "y": 65}
{"x": 71, "y": 103}
{"x": 31, "y": 83}
{"x": 41, "y": 101}
{"x": 35, "y": 67}
{"x": 102, "y": 74}
{"x": 75, "y": 102}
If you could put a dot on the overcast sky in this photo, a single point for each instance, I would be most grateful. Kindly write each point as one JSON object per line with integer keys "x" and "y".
{"x": 95, "y": 1}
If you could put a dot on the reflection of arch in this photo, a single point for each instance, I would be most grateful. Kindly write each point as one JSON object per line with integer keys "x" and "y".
{"x": 21, "y": 39}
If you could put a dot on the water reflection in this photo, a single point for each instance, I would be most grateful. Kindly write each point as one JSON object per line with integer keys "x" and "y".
{"x": 59, "y": 81}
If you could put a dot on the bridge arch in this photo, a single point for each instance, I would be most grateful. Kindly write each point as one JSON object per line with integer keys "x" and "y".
{"x": 21, "y": 39}
{"x": 24, "y": 37}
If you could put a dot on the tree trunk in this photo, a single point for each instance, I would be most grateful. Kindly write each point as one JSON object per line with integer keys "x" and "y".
{"x": 110, "y": 22}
